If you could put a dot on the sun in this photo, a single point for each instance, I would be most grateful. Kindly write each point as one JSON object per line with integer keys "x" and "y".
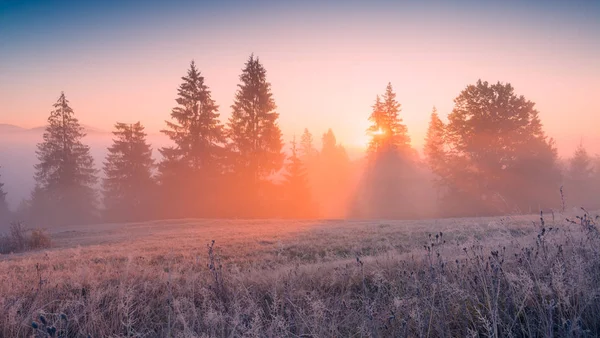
{"x": 363, "y": 141}
{"x": 378, "y": 132}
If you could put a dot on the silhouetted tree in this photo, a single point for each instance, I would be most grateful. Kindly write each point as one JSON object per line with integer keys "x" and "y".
{"x": 296, "y": 187}
{"x": 579, "y": 178}
{"x": 4, "y": 210}
{"x": 435, "y": 152}
{"x": 434, "y": 149}
{"x": 256, "y": 145}
{"x": 128, "y": 184}
{"x": 331, "y": 188}
{"x": 386, "y": 186}
{"x": 307, "y": 147}
{"x": 190, "y": 170}
{"x": 499, "y": 158}
{"x": 329, "y": 147}
{"x": 595, "y": 184}
{"x": 387, "y": 131}
{"x": 65, "y": 175}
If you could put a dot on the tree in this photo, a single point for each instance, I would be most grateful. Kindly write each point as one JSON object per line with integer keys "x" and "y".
{"x": 256, "y": 144}
{"x": 190, "y": 170}
{"x": 4, "y": 210}
{"x": 579, "y": 178}
{"x": 387, "y": 131}
{"x": 499, "y": 158}
{"x": 390, "y": 169}
{"x": 296, "y": 187}
{"x": 331, "y": 187}
{"x": 128, "y": 183}
{"x": 434, "y": 149}
{"x": 307, "y": 148}
{"x": 595, "y": 185}
{"x": 65, "y": 175}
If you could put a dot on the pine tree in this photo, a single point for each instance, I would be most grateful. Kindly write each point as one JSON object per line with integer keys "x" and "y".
{"x": 4, "y": 210}
{"x": 331, "y": 187}
{"x": 256, "y": 144}
{"x": 329, "y": 144}
{"x": 595, "y": 184}
{"x": 377, "y": 130}
{"x": 296, "y": 187}
{"x": 390, "y": 167}
{"x": 307, "y": 148}
{"x": 580, "y": 165}
{"x": 387, "y": 131}
{"x": 434, "y": 144}
{"x": 128, "y": 183}
{"x": 65, "y": 175}
{"x": 579, "y": 178}
{"x": 190, "y": 170}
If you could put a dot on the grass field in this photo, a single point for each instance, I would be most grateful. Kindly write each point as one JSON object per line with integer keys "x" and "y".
{"x": 510, "y": 276}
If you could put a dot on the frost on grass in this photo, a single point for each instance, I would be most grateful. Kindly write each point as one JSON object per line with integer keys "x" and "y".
{"x": 518, "y": 277}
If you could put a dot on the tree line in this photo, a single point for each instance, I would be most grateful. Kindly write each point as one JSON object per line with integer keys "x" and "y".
{"x": 491, "y": 157}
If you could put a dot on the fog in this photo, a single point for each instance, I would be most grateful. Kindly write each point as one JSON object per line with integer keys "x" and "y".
{"x": 390, "y": 187}
{"x": 18, "y": 156}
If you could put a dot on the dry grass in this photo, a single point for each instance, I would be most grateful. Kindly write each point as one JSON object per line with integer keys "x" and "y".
{"x": 443, "y": 278}
{"x": 19, "y": 239}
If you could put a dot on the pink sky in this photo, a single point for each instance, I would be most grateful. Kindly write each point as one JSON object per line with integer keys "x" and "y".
{"x": 324, "y": 73}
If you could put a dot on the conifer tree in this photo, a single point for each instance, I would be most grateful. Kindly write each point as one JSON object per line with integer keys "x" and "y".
{"x": 579, "y": 178}
{"x": 595, "y": 184}
{"x": 190, "y": 170}
{"x": 330, "y": 148}
{"x": 65, "y": 175}
{"x": 307, "y": 148}
{"x": 434, "y": 144}
{"x": 296, "y": 186}
{"x": 255, "y": 137}
{"x": 390, "y": 168}
{"x": 580, "y": 165}
{"x": 4, "y": 211}
{"x": 387, "y": 131}
{"x": 331, "y": 187}
{"x": 377, "y": 130}
{"x": 128, "y": 183}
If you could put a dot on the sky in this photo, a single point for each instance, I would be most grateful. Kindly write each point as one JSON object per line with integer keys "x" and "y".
{"x": 326, "y": 60}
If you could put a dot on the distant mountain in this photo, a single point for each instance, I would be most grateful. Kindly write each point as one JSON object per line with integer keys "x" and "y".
{"x": 9, "y": 128}
{"x": 88, "y": 129}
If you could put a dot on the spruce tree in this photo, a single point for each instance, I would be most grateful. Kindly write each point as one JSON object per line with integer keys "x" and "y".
{"x": 434, "y": 144}
{"x": 4, "y": 210}
{"x": 307, "y": 148}
{"x": 579, "y": 178}
{"x": 128, "y": 183}
{"x": 329, "y": 147}
{"x": 296, "y": 187}
{"x": 255, "y": 137}
{"x": 65, "y": 175}
{"x": 387, "y": 131}
{"x": 190, "y": 170}
{"x": 332, "y": 178}
{"x": 377, "y": 130}
{"x": 390, "y": 169}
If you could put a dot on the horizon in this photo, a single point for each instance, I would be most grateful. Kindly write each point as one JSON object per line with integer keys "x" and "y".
{"x": 326, "y": 62}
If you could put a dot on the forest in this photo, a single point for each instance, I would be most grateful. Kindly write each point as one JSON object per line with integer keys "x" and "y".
{"x": 491, "y": 157}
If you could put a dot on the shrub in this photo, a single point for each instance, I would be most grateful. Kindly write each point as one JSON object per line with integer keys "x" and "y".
{"x": 20, "y": 239}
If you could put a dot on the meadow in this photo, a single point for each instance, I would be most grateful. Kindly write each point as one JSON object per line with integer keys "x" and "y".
{"x": 513, "y": 276}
